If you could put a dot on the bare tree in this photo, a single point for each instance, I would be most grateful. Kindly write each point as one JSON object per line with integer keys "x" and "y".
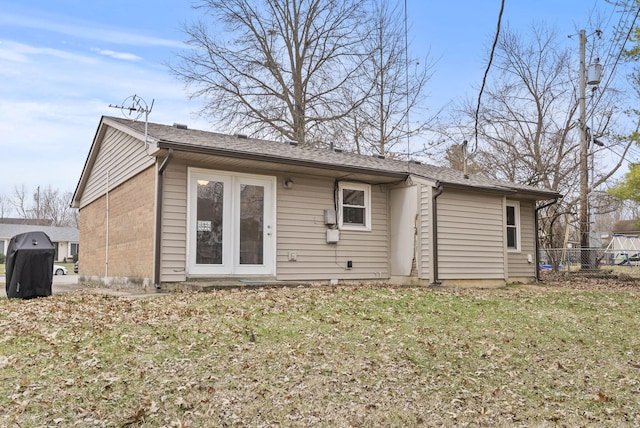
{"x": 528, "y": 124}
{"x": 20, "y": 202}
{"x": 382, "y": 121}
{"x": 5, "y": 207}
{"x": 283, "y": 69}
{"x": 46, "y": 206}
{"x": 54, "y": 205}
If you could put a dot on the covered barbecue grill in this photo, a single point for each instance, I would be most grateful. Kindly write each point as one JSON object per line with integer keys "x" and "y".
{"x": 29, "y": 265}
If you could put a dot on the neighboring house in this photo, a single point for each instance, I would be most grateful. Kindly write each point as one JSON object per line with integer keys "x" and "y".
{"x": 626, "y": 227}
{"x": 65, "y": 239}
{"x": 191, "y": 204}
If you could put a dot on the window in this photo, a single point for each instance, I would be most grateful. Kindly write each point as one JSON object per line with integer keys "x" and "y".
{"x": 513, "y": 226}
{"x": 73, "y": 249}
{"x": 354, "y": 206}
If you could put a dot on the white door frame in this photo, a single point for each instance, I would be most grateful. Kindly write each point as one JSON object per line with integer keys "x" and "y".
{"x": 230, "y": 265}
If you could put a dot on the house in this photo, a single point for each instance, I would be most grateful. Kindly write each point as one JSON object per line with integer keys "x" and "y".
{"x": 177, "y": 204}
{"x": 65, "y": 239}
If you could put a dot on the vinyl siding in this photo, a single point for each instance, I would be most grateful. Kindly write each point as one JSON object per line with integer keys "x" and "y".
{"x": 519, "y": 267}
{"x": 301, "y": 228}
{"x": 470, "y": 236}
{"x": 174, "y": 224}
{"x": 120, "y": 157}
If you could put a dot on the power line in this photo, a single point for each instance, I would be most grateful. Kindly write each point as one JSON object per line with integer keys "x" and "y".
{"x": 486, "y": 72}
{"x": 619, "y": 55}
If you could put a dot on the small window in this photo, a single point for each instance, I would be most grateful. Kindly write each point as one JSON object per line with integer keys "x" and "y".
{"x": 513, "y": 226}
{"x": 354, "y": 206}
{"x": 73, "y": 249}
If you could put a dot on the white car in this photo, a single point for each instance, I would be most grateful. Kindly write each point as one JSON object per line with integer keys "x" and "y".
{"x": 59, "y": 270}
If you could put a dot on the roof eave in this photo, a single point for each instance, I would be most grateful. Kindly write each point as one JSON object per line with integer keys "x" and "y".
{"x": 217, "y": 151}
{"x": 536, "y": 194}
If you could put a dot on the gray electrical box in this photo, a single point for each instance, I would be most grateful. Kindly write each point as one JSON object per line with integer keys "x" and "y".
{"x": 330, "y": 217}
{"x": 333, "y": 236}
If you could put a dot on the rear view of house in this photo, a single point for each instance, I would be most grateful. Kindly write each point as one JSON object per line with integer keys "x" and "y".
{"x": 180, "y": 204}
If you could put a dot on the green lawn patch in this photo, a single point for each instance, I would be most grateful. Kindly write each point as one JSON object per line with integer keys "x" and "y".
{"x": 361, "y": 356}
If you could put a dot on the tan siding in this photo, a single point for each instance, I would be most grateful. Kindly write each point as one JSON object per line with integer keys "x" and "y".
{"x": 519, "y": 267}
{"x": 470, "y": 236}
{"x": 300, "y": 228}
{"x": 174, "y": 224}
{"x": 121, "y": 156}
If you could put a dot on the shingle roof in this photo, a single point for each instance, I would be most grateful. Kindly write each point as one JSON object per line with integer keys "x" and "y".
{"x": 215, "y": 143}
{"x": 56, "y": 234}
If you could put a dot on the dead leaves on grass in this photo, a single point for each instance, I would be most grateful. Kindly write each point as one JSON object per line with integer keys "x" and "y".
{"x": 352, "y": 356}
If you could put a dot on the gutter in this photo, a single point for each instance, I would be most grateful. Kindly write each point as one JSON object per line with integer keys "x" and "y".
{"x": 158, "y": 249}
{"x": 228, "y": 153}
{"x": 536, "y": 226}
{"x": 434, "y": 230}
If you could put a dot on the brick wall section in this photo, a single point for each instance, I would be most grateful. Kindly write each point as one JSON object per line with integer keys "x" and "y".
{"x": 131, "y": 230}
{"x": 92, "y": 238}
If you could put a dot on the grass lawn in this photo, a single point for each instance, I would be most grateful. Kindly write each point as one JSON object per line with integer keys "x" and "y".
{"x": 361, "y": 356}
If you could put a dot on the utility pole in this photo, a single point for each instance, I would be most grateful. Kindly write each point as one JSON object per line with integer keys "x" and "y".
{"x": 584, "y": 172}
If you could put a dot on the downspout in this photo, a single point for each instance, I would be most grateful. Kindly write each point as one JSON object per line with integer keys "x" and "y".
{"x": 536, "y": 222}
{"x": 158, "y": 249}
{"x": 106, "y": 234}
{"x": 434, "y": 229}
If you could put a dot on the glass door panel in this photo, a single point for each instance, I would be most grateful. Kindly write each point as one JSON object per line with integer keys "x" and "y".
{"x": 230, "y": 224}
{"x": 209, "y": 222}
{"x": 251, "y": 224}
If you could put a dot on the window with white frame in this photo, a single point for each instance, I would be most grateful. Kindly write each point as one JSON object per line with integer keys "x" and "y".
{"x": 513, "y": 226}
{"x": 73, "y": 248}
{"x": 354, "y": 206}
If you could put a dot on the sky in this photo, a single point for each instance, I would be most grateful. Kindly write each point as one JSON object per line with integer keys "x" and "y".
{"x": 63, "y": 62}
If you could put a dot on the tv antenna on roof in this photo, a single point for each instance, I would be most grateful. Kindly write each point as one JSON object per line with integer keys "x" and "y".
{"x": 136, "y": 108}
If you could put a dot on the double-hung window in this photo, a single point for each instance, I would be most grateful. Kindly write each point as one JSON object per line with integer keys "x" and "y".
{"x": 354, "y": 208}
{"x": 513, "y": 226}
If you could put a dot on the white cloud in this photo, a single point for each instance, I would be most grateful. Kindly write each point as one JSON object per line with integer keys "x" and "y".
{"x": 54, "y": 91}
{"x": 86, "y": 30}
{"x": 20, "y": 52}
{"x": 117, "y": 55}
{"x": 52, "y": 103}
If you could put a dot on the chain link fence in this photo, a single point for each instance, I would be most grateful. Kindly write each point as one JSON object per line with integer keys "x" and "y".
{"x": 568, "y": 260}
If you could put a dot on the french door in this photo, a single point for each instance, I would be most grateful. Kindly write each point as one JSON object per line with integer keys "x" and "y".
{"x": 230, "y": 224}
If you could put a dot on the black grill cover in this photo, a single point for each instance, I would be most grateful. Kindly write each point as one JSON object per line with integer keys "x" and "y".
{"x": 29, "y": 265}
